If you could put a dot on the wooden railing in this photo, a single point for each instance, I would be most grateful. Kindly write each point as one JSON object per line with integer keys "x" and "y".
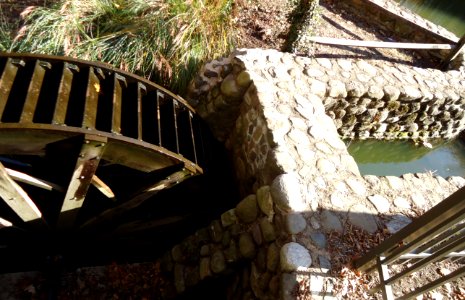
{"x": 437, "y": 235}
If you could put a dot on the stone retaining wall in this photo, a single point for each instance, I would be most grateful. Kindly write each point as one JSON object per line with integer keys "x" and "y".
{"x": 298, "y": 181}
{"x": 366, "y": 100}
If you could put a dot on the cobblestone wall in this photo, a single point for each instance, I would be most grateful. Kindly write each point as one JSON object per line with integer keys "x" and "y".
{"x": 298, "y": 180}
{"x": 381, "y": 100}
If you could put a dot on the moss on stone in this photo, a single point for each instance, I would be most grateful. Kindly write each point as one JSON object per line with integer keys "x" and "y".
{"x": 393, "y": 105}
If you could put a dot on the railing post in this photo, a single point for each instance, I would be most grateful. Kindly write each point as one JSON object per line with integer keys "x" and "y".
{"x": 460, "y": 46}
{"x": 383, "y": 277}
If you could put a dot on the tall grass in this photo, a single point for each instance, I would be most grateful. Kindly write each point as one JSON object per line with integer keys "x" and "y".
{"x": 165, "y": 41}
{"x": 5, "y": 32}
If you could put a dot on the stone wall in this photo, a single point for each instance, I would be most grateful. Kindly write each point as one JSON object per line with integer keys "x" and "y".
{"x": 381, "y": 100}
{"x": 298, "y": 181}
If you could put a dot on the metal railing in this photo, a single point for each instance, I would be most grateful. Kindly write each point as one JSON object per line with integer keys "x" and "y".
{"x": 437, "y": 235}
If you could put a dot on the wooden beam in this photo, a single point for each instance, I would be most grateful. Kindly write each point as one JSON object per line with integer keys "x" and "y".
{"x": 459, "y": 47}
{"x": 87, "y": 163}
{"x": 377, "y": 44}
{"x": 16, "y": 198}
{"x": 25, "y": 178}
{"x": 113, "y": 213}
{"x": 5, "y": 223}
{"x": 102, "y": 187}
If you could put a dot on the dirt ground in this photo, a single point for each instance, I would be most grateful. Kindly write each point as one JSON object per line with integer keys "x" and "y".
{"x": 267, "y": 24}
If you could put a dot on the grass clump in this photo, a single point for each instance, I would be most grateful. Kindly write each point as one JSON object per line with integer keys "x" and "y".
{"x": 164, "y": 41}
{"x": 6, "y": 30}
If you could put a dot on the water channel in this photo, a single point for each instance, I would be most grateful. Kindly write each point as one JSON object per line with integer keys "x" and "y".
{"x": 375, "y": 157}
{"x": 449, "y": 14}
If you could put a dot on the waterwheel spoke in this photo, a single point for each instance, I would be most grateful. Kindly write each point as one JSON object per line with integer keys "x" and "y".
{"x": 40, "y": 183}
{"x": 139, "y": 199}
{"x": 87, "y": 163}
{"x": 16, "y": 198}
{"x": 103, "y": 187}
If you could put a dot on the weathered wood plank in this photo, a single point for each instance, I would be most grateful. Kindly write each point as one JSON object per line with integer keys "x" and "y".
{"x": 6, "y": 81}
{"x": 160, "y": 97}
{"x": 87, "y": 163}
{"x": 141, "y": 90}
{"x": 25, "y": 178}
{"x": 16, "y": 198}
{"x": 33, "y": 91}
{"x": 64, "y": 91}
{"x": 103, "y": 187}
{"x": 91, "y": 105}
{"x": 5, "y": 223}
{"x": 117, "y": 98}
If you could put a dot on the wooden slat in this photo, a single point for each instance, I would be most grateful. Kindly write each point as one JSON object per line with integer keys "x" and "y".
{"x": 16, "y": 198}
{"x": 175, "y": 119}
{"x": 190, "y": 116}
{"x": 383, "y": 277}
{"x": 25, "y": 178}
{"x": 87, "y": 163}
{"x": 141, "y": 90}
{"x": 64, "y": 92}
{"x": 5, "y": 223}
{"x": 102, "y": 187}
{"x": 434, "y": 284}
{"x": 160, "y": 96}
{"x": 7, "y": 79}
{"x": 93, "y": 90}
{"x": 33, "y": 91}
{"x": 117, "y": 98}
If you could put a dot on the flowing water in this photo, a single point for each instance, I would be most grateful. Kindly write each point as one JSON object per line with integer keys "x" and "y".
{"x": 375, "y": 157}
{"x": 450, "y": 14}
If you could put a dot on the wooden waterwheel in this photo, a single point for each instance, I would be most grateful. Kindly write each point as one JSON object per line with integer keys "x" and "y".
{"x": 82, "y": 144}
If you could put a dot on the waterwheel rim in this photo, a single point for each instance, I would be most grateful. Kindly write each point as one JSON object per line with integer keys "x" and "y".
{"x": 82, "y": 143}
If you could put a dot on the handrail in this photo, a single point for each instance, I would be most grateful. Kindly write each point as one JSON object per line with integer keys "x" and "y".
{"x": 442, "y": 224}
